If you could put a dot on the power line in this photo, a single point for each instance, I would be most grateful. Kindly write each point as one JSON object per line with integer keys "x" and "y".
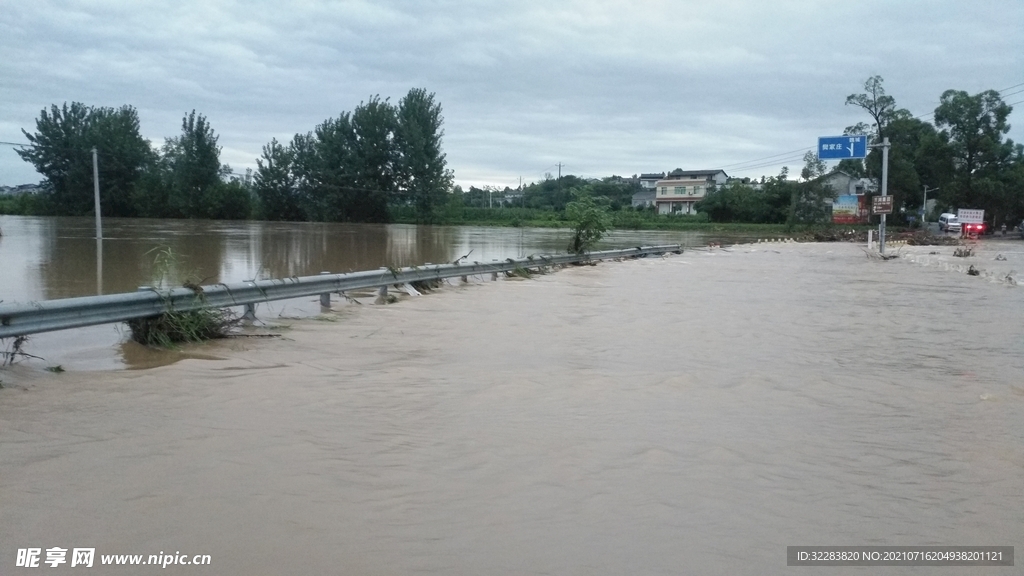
{"x": 756, "y": 160}
{"x": 785, "y": 160}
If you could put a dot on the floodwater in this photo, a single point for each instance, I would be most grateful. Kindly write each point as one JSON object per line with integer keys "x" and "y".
{"x": 49, "y": 258}
{"x": 692, "y": 414}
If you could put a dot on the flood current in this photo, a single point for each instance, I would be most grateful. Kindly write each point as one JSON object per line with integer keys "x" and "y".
{"x": 691, "y": 414}
{"x": 45, "y": 258}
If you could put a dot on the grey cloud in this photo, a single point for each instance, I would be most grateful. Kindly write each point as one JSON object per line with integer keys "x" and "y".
{"x": 605, "y": 87}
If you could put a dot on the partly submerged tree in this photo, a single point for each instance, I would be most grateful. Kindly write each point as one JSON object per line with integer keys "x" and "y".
{"x": 421, "y": 170}
{"x": 344, "y": 169}
{"x": 375, "y": 157}
{"x": 274, "y": 184}
{"x": 61, "y": 151}
{"x": 192, "y": 164}
{"x": 588, "y": 220}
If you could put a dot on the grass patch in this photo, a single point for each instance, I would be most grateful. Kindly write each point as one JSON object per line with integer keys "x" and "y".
{"x": 174, "y": 327}
{"x": 181, "y": 326}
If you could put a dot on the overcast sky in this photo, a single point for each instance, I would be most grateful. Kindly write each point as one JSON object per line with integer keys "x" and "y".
{"x": 601, "y": 86}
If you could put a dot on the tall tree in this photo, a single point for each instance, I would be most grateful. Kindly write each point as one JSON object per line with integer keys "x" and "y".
{"x": 983, "y": 162}
{"x": 810, "y": 199}
{"x": 275, "y": 185}
{"x": 305, "y": 170}
{"x": 61, "y": 152}
{"x": 888, "y": 122}
{"x": 324, "y": 164}
{"x": 879, "y": 105}
{"x": 193, "y": 163}
{"x": 375, "y": 158}
{"x": 975, "y": 126}
{"x": 421, "y": 172}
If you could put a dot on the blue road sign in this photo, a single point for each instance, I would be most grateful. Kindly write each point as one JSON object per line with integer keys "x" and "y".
{"x": 839, "y": 147}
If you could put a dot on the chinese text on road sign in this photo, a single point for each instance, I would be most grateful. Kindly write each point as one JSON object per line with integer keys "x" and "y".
{"x": 839, "y": 147}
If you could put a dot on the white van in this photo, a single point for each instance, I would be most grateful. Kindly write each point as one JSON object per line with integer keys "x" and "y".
{"x": 949, "y": 223}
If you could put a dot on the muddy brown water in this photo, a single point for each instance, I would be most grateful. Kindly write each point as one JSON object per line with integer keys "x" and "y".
{"x": 692, "y": 414}
{"x": 45, "y": 258}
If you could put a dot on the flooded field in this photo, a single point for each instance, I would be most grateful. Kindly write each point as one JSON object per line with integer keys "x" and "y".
{"x": 692, "y": 414}
{"x": 44, "y": 258}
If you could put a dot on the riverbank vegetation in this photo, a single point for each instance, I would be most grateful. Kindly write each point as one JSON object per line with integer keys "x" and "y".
{"x": 384, "y": 162}
{"x": 351, "y": 168}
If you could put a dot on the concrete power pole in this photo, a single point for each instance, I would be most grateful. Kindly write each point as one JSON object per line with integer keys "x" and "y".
{"x": 96, "y": 194}
{"x": 885, "y": 184}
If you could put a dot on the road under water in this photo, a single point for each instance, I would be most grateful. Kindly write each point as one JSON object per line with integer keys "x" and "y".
{"x": 692, "y": 414}
{"x": 43, "y": 258}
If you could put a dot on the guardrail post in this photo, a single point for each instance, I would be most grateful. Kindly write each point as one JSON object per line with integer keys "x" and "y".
{"x": 494, "y": 275}
{"x": 250, "y": 312}
{"x": 325, "y": 298}
{"x": 65, "y": 313}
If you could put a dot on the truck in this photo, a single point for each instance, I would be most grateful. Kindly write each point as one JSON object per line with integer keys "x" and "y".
{"x": 972, "y": 221}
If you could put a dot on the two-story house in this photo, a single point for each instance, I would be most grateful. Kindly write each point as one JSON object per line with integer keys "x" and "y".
{"x": 680, "y": 190}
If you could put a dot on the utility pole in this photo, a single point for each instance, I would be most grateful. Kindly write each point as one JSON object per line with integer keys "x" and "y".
{"x": 96, "y": 194}
{"x": 924, "y": 204}
{"x": 522, "y": 193}
{"x": 885, "y": 189}
{"x": 558, "y": 182}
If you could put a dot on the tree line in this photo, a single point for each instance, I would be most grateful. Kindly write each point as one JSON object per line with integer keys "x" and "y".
{"x": 963, "y": 153}
{"x": 354, "y": 167}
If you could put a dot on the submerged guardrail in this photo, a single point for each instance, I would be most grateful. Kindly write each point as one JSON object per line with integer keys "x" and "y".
{"x": 17, "y": 319}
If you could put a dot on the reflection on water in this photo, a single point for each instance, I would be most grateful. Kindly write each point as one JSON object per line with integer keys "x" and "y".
{"x": 44, "y": 258}
{"x": 47, "y": 258}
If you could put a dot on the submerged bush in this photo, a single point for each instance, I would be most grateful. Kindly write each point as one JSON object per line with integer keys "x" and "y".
{"x": 588, "y": 220}
{"x": 176, "y": 327}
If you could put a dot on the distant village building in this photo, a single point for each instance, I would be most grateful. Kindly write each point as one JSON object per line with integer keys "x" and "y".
{"x": 851, "y": 203}
{"x": 20, "y": 189}
{"x": 746, "y": 181}
{"x": 650, "y": 181}
{"x": 644, "y": 199}
{"x": 680, "y": 190}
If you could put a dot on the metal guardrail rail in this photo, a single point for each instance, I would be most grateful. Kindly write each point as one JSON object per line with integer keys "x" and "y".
{"x": 23, "y": 319}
